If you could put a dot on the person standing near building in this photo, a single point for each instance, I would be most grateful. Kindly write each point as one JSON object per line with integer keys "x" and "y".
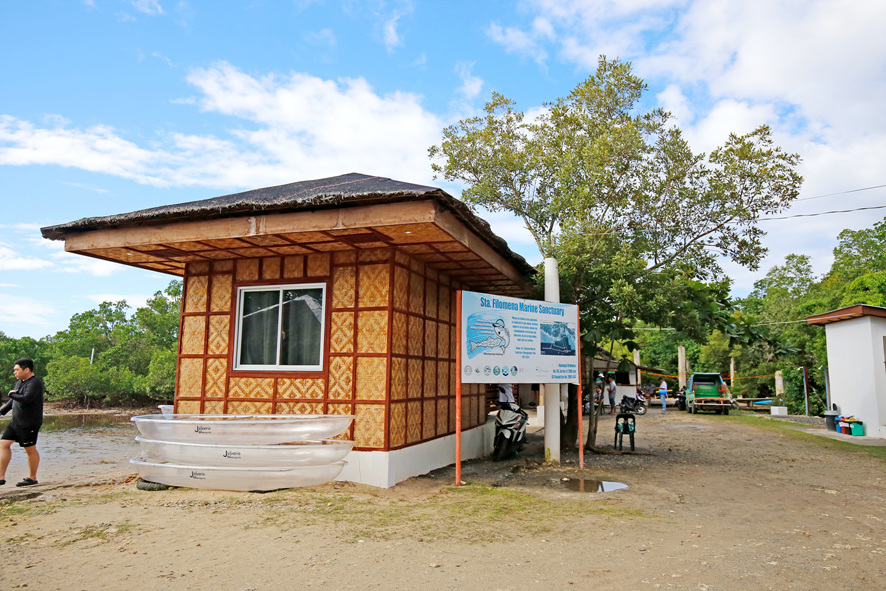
{"x": 663, "y": 393}
{"x": 610, "y": 390}
{"x": 26, "y": 403}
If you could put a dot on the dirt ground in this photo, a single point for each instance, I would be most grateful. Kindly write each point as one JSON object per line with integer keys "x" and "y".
{"x": 713, "y": 503}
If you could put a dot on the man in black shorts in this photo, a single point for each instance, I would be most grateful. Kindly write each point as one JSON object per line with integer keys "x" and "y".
{"x": 26, "y": 402}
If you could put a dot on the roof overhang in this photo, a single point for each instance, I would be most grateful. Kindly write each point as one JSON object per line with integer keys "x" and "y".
{"x": 426, "y": 227}
{"x": 847, "y": 313}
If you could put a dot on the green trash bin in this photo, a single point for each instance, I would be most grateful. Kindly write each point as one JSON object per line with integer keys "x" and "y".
{"x": 857, "y": 428}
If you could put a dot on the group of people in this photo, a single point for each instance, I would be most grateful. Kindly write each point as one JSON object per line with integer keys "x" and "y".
{"x": 610, "y": 391}
{"x": 26, "y": 403}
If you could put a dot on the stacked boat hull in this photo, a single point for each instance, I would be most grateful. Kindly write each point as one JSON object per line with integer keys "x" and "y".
{"x": 245, "y": 453}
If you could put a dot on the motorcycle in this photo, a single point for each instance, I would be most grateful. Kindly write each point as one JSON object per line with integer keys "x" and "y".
{"x": 681, "y": 398}
{"x": 635, "y": 406}
{"x": 510, "y": 431}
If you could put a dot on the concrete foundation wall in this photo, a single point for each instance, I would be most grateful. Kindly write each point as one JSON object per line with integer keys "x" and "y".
{"x": 385, "y": 469}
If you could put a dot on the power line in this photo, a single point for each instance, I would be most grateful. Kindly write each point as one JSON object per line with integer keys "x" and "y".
{"x": 809, "y": 215}
{"x": 840, "y": 193}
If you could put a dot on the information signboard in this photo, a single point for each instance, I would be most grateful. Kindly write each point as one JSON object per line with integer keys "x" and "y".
{"x": 517, "y": 341}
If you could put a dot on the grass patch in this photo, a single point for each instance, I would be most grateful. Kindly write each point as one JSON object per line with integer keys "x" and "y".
{"x": 784, "y": 427}
{"x": 468, "y": 513}
{"x": 101, "y": 533}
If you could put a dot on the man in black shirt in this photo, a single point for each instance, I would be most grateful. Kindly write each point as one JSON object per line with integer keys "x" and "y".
{"x": 26, "y": 403}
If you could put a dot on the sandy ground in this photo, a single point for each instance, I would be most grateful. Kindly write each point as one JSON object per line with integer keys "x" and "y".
{"x": 713, "y": 503}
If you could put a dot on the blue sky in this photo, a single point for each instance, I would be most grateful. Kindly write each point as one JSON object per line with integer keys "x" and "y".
{"x": 109, "y": 106}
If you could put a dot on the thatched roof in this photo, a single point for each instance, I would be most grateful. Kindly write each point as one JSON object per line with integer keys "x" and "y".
{"x": 353, "y": 189}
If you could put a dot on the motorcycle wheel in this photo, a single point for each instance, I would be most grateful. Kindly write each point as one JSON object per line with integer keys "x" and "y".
{"x": 640, "y": 410}
{"x": 500, "y": 449}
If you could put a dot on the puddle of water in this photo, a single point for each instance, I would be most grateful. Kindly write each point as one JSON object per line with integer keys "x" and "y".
{"x": 81, "y": 421}
{"x": 593, "y": 486}
{"x": 75, "y": 446}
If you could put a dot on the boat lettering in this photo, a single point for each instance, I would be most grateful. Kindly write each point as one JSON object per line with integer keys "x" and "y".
{"x": 198, "y": 475}
{"x": 234, "y": 455}
{"x": 202, "y": 429}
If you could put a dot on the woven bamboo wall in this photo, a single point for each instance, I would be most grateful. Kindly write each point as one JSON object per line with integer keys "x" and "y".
{"x": 389, "y": 359}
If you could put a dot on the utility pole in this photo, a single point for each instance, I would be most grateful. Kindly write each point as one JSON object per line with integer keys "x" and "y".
{"x": 552, "y": 395}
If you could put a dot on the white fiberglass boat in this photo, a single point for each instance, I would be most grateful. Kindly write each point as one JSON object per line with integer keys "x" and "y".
{"x": 298, "y": 453}
{"x": 241, "y": 429}
{"x": 235, "y": 478}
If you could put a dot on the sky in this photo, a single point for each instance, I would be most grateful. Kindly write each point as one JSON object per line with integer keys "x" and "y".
{"x": 110, "y": 106}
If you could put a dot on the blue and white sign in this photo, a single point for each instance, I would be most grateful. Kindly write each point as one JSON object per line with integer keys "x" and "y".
{"x": 517, "y": 341}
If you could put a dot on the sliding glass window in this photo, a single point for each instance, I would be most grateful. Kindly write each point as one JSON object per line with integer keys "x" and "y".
{"x": 280, "y": 327}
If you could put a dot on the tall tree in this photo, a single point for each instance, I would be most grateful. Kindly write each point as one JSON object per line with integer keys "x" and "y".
{"x": 636, "y": 219}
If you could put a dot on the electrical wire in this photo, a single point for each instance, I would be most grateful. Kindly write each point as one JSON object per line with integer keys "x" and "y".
{"x": 840, "y": 193}
{"x": 809, "y": 215}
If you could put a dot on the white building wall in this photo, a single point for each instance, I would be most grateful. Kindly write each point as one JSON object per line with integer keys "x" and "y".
{"x": 384, "y": 469}
{"x": 857, "y": 370}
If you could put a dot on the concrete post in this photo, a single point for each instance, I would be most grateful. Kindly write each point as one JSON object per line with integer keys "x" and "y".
{"x": 732, "y": 372}
{"x": 637, "y": 363}
{"x": 552, "y": 391}
{"x": 779, "y": 384}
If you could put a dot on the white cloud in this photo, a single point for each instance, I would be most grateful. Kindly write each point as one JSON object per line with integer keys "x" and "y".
{"x": 321, "y": 37}
{"x": 289, "y": 127}
{"x": 12, "y": 260}
{"x": 96, "y": 149}
{"x": 814, "y": 70}
{"x": 471, "y": 85}
{"x": 517, "y": 41}
{"x": 726, "y": 116}
{"x": 92, "y": 188}
{"x": 25, "y": 313}
{"x": 151, "y": 7}
{"x": 67, "y": 262}
{"x": 390, "y": 34}
{"x": 21, "y": 227}
{"x": 134, "y": 301}
{"x": 672, "y": 99}
{"x": 164, "y": 59}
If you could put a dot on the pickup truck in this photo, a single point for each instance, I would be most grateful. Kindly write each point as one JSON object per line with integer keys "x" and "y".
{"x": 707, "y": 391}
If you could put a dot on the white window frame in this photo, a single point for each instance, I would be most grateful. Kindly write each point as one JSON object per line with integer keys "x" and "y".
{"x": 279, "y": 288}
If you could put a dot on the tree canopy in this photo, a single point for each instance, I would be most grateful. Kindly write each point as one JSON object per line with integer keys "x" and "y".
{"x": 108, "y": 355}
{"x": 637, "y": 219}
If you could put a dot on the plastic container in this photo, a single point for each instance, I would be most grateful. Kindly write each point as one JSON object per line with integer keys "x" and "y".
{"x": 302, "y": 453}
{"x": 857, "y": 428}
{"x": 241, "y": 429}
{"x": 845, "y": 429}
{"x": 242, "y": 479}
{"x": 166, "y": 409}
{"x": 830, "y": 419}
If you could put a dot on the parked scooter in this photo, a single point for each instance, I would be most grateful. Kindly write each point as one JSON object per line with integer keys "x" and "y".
{"x": 681, "y": 398}
{"x": 510, "y": 430}
{"x": 631, "y": 405}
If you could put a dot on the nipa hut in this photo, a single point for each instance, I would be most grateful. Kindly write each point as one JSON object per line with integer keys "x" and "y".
{"x": 330, "y": 296}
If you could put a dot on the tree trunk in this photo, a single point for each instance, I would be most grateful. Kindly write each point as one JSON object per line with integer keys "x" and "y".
{"x": 569, "y": 426}
{"x": 590, "y": 443}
